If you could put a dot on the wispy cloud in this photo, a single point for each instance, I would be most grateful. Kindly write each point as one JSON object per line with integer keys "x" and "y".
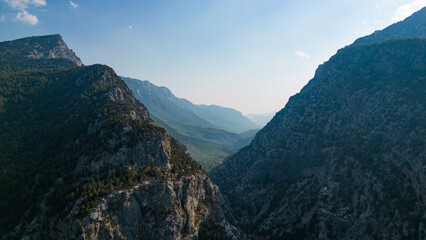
{"x": 406, "y": 10}
{"x": 24, "y": 4}
{"x": 377, "y": 6}
{"x": 2, "y": 18}
{"x": 23, "y": 15}
{"x": 130, "y": 27}
{"x": 27, "y": 18}
{"x": 73, "y": 4}
{"x": 301, "y": 54}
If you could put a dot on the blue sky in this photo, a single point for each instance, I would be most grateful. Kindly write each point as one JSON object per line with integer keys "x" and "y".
{"x": 251, "y": 55}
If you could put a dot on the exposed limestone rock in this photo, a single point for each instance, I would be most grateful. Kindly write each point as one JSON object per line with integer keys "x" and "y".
{"x": 56, "y": 48}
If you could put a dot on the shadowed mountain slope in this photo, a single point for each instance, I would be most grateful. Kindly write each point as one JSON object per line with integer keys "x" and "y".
{"x": 345, "y": 158}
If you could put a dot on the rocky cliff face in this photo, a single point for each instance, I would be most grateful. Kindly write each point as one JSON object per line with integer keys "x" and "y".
{"x": 81, "y": 159}
{"x": 345, "y": 158}
{"x": 48, "y": 48}
{"x": 43, "y": 47}
{"x": 158, "y": 209}
{"x": 151, "y": 209}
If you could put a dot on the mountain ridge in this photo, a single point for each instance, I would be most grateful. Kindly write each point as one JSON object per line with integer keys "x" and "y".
{"x": 343, "y": 159}
{"x": 208, "y": 115}
{"x": 412, "y": 27}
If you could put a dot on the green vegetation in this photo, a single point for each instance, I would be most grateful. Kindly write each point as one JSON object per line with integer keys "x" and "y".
{"x": 182, "y": 164}
{"x": 35, "y": 134}
{"x": 51, "y": 117}
{"x": 211, "y": 230}
{"x": 208, "y": 146}
{"x": 167, "y": 210}
{"x": 91, "y": 192}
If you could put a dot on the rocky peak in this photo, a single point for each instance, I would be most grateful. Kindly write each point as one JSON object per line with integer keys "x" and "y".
{"x": 50, "y": 47}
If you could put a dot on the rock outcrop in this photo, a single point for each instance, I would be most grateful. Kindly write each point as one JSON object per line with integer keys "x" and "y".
{"x": 50, "y": 47}
{"x": 40, "y": 52}
{"x": 151, "y": 209}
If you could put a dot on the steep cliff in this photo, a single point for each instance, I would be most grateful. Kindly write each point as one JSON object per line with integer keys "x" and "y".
{"x": 345, "y": 158}
{"x": 37, "y": 52}
{"x": 81, "y": 159}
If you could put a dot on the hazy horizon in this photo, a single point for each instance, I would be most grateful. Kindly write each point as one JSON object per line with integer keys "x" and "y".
{"x": 247, "y": 55}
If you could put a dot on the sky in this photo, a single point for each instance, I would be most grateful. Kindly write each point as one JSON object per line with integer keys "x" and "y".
{"x": 250, "y": 55}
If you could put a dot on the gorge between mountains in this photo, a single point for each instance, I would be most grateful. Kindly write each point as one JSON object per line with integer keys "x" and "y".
{"x": 87, "y": 154}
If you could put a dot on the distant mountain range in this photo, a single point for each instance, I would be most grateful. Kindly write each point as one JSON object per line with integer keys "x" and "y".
{"x": 346, "y": 157}
{"x": 210, "y": 132}
{"x": 259, "y": 118}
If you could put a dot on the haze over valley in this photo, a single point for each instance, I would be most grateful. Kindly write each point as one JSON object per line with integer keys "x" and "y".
{"x": 211, "y": 120}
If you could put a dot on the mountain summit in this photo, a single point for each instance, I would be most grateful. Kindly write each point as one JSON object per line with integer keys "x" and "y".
{"x": 34, "y": 52}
